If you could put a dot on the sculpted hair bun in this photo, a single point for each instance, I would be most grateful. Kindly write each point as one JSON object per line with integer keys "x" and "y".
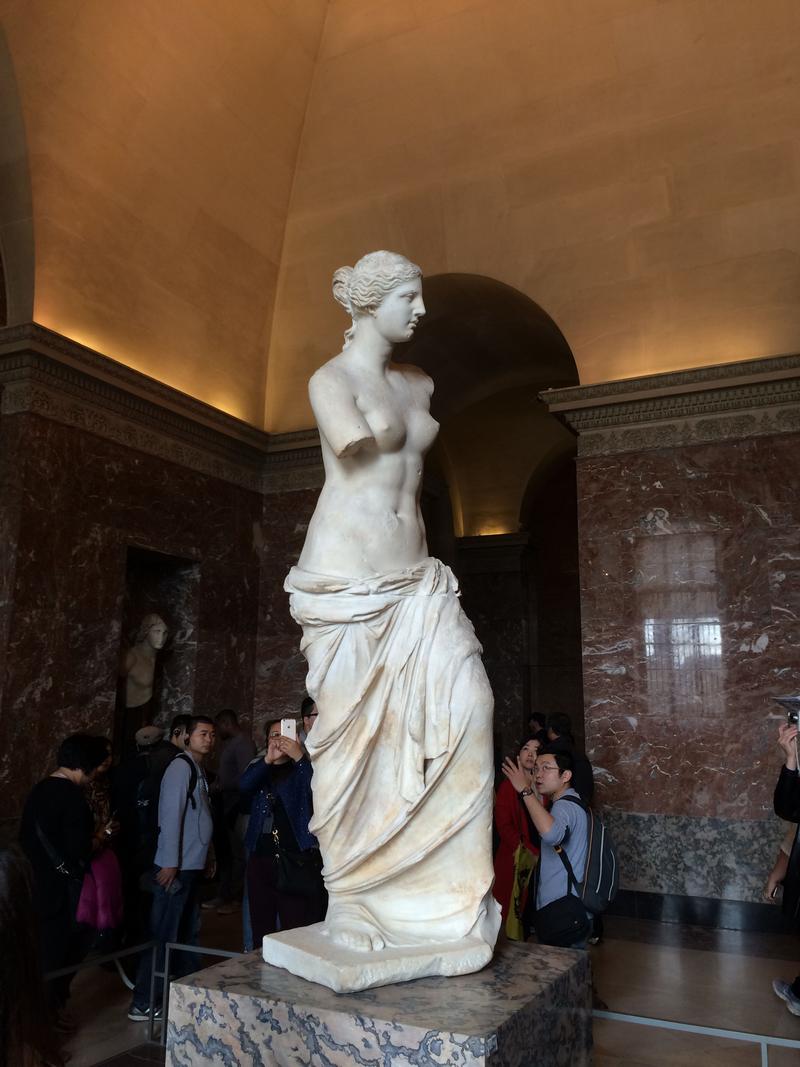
{"x": 341, "y": 287}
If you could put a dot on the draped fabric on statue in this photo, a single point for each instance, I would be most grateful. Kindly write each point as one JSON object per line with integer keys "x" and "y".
{"x": 397, "y": 755}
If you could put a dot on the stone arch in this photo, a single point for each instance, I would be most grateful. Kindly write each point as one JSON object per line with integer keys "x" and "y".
{"x": 16, "y": 202}
{"x": 509, "y": 467}
{"x": 490, "y": 350}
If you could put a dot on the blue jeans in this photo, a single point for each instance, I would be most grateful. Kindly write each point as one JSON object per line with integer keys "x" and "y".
{"x": 174, "y": 917}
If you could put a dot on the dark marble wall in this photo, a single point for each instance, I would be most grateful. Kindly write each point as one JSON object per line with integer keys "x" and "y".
{"x": 690, "y": 599}
{"x": 71, "y": 505}
{"x": 280, "y": 666}
{"x": 493, "y": 575}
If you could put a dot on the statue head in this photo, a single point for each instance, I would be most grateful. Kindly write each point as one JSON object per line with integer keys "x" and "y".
{"x": 152, "y": 630}
{"x": 361, "y": 289}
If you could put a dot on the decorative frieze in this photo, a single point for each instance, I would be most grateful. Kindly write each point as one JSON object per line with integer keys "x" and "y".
{"x": 46, "y": 374}
{"x": 732, "y": 401}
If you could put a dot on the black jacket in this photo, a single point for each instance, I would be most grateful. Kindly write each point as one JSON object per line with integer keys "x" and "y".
{"x": 787, "y": 806}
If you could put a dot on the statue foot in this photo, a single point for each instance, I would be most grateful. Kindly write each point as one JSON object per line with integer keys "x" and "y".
{"x": 356, "y": 935}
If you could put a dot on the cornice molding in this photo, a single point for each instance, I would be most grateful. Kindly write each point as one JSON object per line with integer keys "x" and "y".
{"x": 49, "y": 375}
{"x": 294, "y": 461}
{"x": 731, "y": 401}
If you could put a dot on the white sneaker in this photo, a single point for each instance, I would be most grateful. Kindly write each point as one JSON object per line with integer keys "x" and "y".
{"x": 210, "y": 905}
{"x": 784, "y": 991}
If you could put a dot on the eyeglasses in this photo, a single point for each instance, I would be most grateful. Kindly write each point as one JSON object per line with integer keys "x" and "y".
{"x": 547, "y": 767}
{"x": 311, "y": 715}
{"x": 273, "y": 737}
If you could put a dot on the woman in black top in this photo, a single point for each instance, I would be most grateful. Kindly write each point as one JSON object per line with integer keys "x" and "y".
{"x": 56, "y": 832}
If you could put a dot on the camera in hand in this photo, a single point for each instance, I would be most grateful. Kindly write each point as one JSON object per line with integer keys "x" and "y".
{"x": 792, "y": 708}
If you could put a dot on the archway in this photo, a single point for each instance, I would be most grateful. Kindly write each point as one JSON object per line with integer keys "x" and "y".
{"x": 501, "y": 468}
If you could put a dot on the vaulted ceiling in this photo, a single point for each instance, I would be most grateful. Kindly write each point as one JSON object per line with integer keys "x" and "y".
{"x": 178, "y": 181}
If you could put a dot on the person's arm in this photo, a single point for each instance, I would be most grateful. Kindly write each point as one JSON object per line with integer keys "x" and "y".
{"x": 255, "y": 775}
{"x": 71, "y": 828}
{"x": 776, "y": 876}
{"x": 172, "y": 802}
{"x": 786, "y": 800}
{"x": 542, "y": 819}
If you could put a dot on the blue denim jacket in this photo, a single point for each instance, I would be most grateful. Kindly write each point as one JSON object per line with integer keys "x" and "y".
{"x": 294, "y": 792}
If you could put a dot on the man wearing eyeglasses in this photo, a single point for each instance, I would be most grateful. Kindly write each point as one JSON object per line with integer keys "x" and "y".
{"x": 564, "y": 825}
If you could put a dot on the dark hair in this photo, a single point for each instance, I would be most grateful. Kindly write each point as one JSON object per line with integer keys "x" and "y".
{"x": 539, "y": 718}
{"x": 527, "y": 741}
{"x": 267, "y": 724}
{"x": 306, "y": 706}
{"x": 560, "y": 723}
{"x": 227, "y": 715}
{"x": 180, "y": 722}
{"x": 198, "y": 720}
{"x": 26, "y": 1032}
{"x": 82, "y": 752}
{"x": 564, "y": 760}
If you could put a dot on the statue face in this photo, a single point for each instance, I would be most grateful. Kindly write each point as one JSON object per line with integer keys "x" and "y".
{"x": 397, "y": 315}
{"x": 157, "y": 635}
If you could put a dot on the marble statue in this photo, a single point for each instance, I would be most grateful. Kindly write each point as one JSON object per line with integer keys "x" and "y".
{"x": 138, "y": 665}
{"x": 402, "y": 745}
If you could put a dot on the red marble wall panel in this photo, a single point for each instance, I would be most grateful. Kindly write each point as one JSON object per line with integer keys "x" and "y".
{"x": 690, "y": 601}
{"x": 84, "y": 501}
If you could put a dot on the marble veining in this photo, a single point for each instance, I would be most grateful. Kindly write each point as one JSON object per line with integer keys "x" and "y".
{"x": 245, "y": 1012}
{"x": 690, "y": 595}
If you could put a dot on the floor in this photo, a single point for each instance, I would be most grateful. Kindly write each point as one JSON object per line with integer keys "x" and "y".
{"x": 687, "y": 974}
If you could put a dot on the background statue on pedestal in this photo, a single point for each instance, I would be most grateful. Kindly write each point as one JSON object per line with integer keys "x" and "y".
{"x": 137, "y": 671}
{"x": 402, "y": 746}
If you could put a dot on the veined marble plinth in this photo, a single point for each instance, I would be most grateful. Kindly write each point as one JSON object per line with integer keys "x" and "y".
{"x": 309, "y": 952}
{"x": 531, "y": 1007}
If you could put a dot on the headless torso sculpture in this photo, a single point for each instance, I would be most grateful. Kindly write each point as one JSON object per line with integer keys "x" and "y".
{"x": 402, "y": 746}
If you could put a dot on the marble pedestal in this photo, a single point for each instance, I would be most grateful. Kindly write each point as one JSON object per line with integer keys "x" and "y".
{"x": 531, "y": 1007}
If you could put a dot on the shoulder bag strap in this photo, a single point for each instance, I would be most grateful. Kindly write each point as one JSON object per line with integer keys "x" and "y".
{"x": 58, "y": 861}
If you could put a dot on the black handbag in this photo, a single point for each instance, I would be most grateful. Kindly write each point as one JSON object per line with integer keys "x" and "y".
{"x": 297, "y": 874}
{"x": 563, "y": 922}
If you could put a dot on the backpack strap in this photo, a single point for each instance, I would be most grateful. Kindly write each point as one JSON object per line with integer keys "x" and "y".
{"x": 562, "y": 855}
{"x": 192, "y": 778}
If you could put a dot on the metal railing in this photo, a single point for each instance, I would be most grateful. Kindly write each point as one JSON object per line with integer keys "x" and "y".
{"x": 151, "y": 947}
{"x": 763, "y": 1040}
{"x": 178, "y": 947}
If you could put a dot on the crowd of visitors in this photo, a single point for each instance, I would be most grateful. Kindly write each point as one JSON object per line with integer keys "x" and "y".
{"x": 118, "y": 855}
{"x": 114, "y": 855}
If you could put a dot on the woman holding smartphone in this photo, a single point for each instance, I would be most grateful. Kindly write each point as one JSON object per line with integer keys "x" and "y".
{"x": 284, "y": 879}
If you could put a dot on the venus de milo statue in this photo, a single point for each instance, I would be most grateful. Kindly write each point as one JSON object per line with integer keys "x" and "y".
{"x": 402, "y": 747}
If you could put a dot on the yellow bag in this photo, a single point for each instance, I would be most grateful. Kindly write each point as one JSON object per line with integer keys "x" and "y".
{"x": 524, "y": 866}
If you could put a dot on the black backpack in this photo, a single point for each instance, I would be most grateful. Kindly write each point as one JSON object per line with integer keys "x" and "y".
{"x": 600, "y": 880}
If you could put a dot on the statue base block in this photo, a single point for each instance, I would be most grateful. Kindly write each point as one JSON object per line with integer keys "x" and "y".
{"x": 530, "y": 1007}
{"x": 309, "y": 953}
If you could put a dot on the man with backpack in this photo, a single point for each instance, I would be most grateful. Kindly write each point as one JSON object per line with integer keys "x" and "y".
{"x": 561, "y": 917}
{"x": 182, "y": 856}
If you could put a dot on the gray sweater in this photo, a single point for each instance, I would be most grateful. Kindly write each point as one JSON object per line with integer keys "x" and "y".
{"x": 569, "y": 828}
{"x": 184, "y": 832}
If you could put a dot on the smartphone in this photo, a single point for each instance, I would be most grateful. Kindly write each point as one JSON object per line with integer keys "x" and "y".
{"x": 289, "y": 728}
